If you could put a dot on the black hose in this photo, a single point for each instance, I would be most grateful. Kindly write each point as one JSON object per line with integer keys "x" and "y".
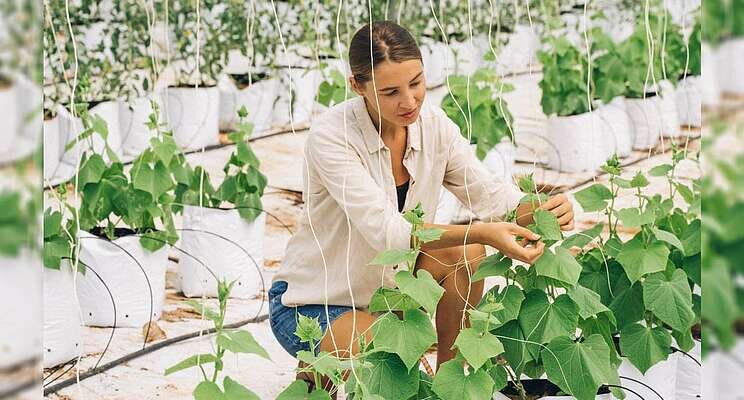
{"x": 630, "y": 390}
{"x": 674, "y": 349}
{"x": 642, "y": 384}
{"x": 147, "y": 350}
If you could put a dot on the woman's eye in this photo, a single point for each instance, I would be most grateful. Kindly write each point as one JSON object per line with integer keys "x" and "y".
{"x": 414, "y": 84}
{"x": 391, "y": 94}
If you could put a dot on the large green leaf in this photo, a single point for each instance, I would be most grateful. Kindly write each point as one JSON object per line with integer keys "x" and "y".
{"x": 324, "y": 363}
{"x": 578, "y": 368}
{"x": 408, "y": 338}
{"x": 515, "y": 348}
{"x": 389, "y": 299}
{"x": 583, "y": 238}
{"x": 451, "y": 383}
{"x": 477, "y": 347}
{"x": 670, "y": 299}
{"x": 91, "y": 170}
{"x": 236, "y": 391}
{"x": 542, "y": 321}
{"x": 639, "y": 259}
{"x": 668, "y": 238}
{"x": 645, "y": 347}
{"x": 627, "y": 306}
{"x": 561, "y": 266}
{"x": 493, "y": 265}
{"x": 632, "y": 217}
{"x": 589, "y": 302}
{"x": 241, "y": 342}
{"x": 546, "y": 225}
{"x": 298, "y": 391}
{"x": 423, "y": 288}
{"x": 394, "y": 257}
{"x": 155, "y": 181}
{"x": 190, "y": 362}
{"x": 207, "y": 390}
{"x": 388, "y": 377}
{"x": 593, "y": 198}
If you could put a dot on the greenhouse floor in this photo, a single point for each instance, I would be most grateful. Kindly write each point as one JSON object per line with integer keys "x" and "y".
{"x": 142, "y": 378}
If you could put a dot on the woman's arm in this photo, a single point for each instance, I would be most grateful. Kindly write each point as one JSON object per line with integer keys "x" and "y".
{"x": 500, "y": 235}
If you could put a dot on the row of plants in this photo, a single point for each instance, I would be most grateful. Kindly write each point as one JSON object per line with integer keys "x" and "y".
{"x": 620, "y": 290}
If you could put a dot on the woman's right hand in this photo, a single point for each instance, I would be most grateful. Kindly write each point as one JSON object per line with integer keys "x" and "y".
{"x": 503, "y": 237}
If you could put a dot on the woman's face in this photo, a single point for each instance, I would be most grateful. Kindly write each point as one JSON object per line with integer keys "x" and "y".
{"x": 400, "y": 91}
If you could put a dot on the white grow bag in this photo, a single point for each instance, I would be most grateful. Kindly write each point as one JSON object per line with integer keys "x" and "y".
{"x": 29, "y": 108}
{"x": 722, "y": 373}
{"x": 668, "y": 108}
{"x": 133, "y": 118}
{"x": 662, "y": 378}
{"x": 304, "y": 84}
{"x": 52, "y": 145}
{"x": 730, "y": 66}
{"x": 615, "y": 115}
{"x": 689, "y": 374}
{"x": 709, "y": 84}
{"x": 71, "y": 127}
{"x": 437, "y": 60}
{"x": 62, "y": 326}
{"x": 577, "y": 143}
{"x": 136, "y": 300}
{"x": 21, "y": 340}
{"x": 690, "y": 102}
{"x": 11, "y": 121}
{"x": 646, "y": 122}
{"x": 193, "y": 113}
{"x": 258, "y": 99}
{"x": 225, "y": 259}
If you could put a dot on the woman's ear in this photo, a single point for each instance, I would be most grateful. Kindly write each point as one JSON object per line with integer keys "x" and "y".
{"x": 356, "y": 87}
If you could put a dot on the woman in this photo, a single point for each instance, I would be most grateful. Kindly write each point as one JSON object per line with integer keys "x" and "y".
{"x": 368, "y": 159}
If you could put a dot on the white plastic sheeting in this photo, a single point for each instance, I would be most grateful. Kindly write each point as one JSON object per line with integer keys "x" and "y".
{"x": 646, "y": 121}
{"x": 133, "y": 118}
{"x": 615, "y": 115}
{"x": 668, "y": 107}
{"x": 205, "y": 237}
{"x": 689, "y": 374}
{"x": 722, "y": 373}
{"x": 194, "y": 115}
{"x": 690, "y": 101}
{"x": 729, "y": 66}
{"x": 22, "y": 279}
{"x": 662, "y": 378}
{"x": 578, "y": 142}
{"x": 62, "y": 325}
{"x": 138, "y": 291}
{"x": 258, "y": 99}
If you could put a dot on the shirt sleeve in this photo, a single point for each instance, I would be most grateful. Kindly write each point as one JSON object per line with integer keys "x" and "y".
{"x": 341, "y": 172}
{"x": 487, "y": 195}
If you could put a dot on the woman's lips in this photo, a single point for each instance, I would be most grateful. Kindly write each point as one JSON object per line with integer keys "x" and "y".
{"x": 409, "y": 114}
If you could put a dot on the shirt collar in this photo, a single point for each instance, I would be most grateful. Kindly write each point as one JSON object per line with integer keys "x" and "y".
{"x": 370, "y": 134}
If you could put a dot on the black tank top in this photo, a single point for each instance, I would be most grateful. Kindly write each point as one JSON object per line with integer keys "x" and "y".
{"x": 402, "y": 192}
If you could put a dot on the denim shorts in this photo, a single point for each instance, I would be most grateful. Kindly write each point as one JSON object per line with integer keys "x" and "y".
{"x": 284, "y": 319}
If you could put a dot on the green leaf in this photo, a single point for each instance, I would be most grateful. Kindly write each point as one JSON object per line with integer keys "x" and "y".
{"x": 190, "y": 362}
{"x": 408, "y": 338}
{"x": 542, "y": 321}
{"x": 583, "y": 238}
{"x": 298, "y": 391}
{"x": 429, "y": 234}
{"x": 499, "y": 376}
{"x": 593, "y": 198}
{"x": 639, "y": 180}
{"x": 207, "y": 390}
{"x": 691, "y": 238}
{"x": 668, "y": 238}
{"x": 423, "y": 288}
{"x": 388, "y": 299}
{"x": 639, "y": 259}
{"x": 451, "y": 383}
{"x": 477, "y": 347}
{"x": 164, "y": 150}
{"x": 560, "y": 265}
{"x": 631, "y": 217}
{"x": 493, "y": 265}
{"x": 670, "y": 299}
{"x": 236, "y": 391}
{"x": 394, "y": 257}
{"x": 389, "y": 377}
{"x": 241, "y": 342}
{"x": 660, "y": 170}
{"x": 91, "y": 170}
{"x": 628, "y": 305}
{"x": 155, "y": 181}
{"x": 308, "y": 329}
{"x": 515, "y": 348}
{"x": 645, "y": 347}
{"x": 589, "y": 302}
{"x": 324, "y": 363}
{"x": 546, "y": 225}
{"x": 578, "y": 368}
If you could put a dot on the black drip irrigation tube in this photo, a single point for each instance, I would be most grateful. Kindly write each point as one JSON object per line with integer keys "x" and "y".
{"x": 642, "y": 384}
{"x": 629, "y": 390}
{"x": 676, "y": 350}
{"x": 139, "y": 353}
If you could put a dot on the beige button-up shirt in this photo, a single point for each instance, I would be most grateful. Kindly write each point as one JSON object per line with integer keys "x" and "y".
{"x": 350, "y": 197}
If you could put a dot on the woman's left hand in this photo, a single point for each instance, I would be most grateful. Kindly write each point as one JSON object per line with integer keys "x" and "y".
{"x": 562, "y": 208}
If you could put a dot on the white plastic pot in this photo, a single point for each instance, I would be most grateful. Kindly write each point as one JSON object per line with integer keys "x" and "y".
{"x": 226, "y": 244}
{"x": 62, "y": 326}
{"x": 709, "y": 83}
{"x": 668, "y": 109}
{"x": 52, "y": 145}
{"x": 577, "y": 143}
{"x": 662, "y": 378}
{"x": 690, "y": 102}
{"x": 722, "y": 372}
{"x": 133, "y": 118}
{"x": 615, "y": 116}
{"x": 689, "y": 374}
{"x": 645, "y": 121}
{"x": 304, "y": 84}
{"x": 730, "y": 66}
{"x": 138, "y": 291}
{"x": 21, "y": 341}
{"x": 29, "y": 111}
{"x": 11, "y": 121}
{"x": 193, "y": 113}
{"x": 72, "y": 127}
{"x": 258, "y": 99}
{"x": 520, "y": 52}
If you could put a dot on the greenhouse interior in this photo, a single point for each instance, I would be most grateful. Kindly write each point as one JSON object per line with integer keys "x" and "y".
{"x": 372, "y": 200}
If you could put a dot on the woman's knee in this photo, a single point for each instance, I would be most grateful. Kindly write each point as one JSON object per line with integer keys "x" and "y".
{"x": 344, "y": 333}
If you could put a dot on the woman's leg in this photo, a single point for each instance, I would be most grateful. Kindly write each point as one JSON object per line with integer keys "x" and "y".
{"x": 343, "y": 335}
{"x": 449, "y": 268}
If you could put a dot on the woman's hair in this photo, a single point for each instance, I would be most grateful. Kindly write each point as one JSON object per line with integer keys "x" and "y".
{"x": 390, "y": 42}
